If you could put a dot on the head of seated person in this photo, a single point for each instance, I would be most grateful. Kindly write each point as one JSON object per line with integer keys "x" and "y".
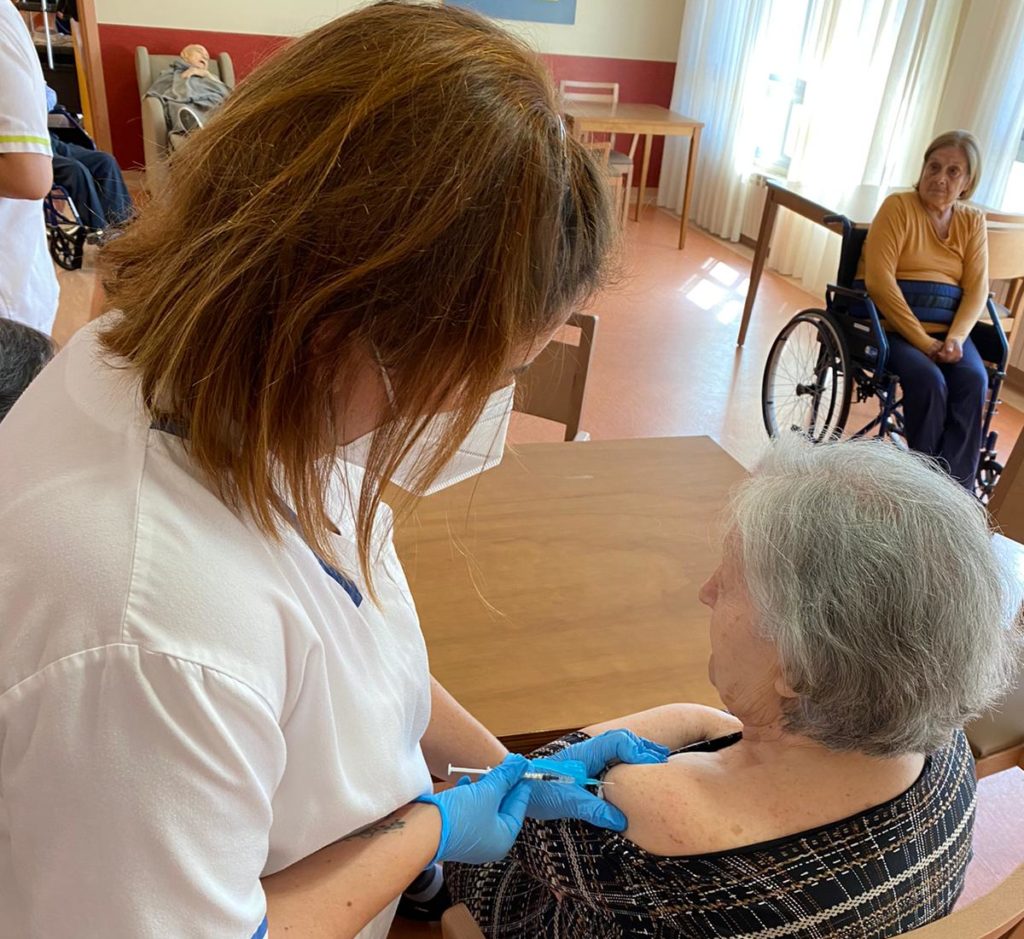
{"x": 195, "y": 56}
{"x": 859, "y": 618}
{"x": 23, "y": 353}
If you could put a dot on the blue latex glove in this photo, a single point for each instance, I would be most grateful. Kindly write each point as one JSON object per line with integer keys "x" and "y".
{"x": 557, "y": 800}
{"x": 479, "y": 821}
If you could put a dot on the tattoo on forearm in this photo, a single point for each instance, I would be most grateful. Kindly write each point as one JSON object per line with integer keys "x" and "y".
{"x": 383, "y": 827}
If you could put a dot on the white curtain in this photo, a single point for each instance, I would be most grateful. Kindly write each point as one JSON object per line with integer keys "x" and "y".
{"x": 718, "y": 49}
{"x": 872, "y": 73}
{"x": 874, "y": 76}
{"x": 984, "y": 92}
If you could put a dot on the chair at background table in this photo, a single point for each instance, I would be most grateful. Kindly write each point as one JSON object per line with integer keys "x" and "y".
{"x": 620, "y": 163}
{"x": 618, "y": 181}
{"x": 1006, "y": 266}
{"x": 155, "y": 138}
{"x": 554, "y": 385}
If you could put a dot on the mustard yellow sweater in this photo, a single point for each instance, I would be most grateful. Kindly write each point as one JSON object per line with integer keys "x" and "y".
{"x": 902, "y": 245}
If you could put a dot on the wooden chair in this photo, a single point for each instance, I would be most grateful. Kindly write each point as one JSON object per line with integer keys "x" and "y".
{"x": 618, "y": 182}
{"x": 620, "y": 163}
{"x": 1006, "y": 265}
{"x": 554, "y": 385}
{"x": 997, "y": 915}
{"x": 458, "y": 923}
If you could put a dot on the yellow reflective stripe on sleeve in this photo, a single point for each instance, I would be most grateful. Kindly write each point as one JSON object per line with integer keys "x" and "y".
{"x": 24, "y": 138}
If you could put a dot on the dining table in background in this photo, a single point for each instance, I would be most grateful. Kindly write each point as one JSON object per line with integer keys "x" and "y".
{"x": 647, "y": 121}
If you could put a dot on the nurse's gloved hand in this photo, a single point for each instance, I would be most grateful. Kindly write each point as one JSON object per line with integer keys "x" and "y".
{"x": 479, "y": 821}
{"x": 559, "y": 800}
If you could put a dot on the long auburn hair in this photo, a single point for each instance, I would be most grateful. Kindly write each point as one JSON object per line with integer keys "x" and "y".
{"x": 399, "y": 180}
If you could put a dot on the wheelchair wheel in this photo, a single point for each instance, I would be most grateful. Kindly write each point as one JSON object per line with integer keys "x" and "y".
{"x": 66, "y": 244}
{"x": 989, "y": 470}
{"x": 807, "y": 383}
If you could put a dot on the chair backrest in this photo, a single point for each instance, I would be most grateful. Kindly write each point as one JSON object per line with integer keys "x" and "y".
{"x": 148, "y": 67}
{"x": 1006, "y": 265}
{"x": 458, "y": 923}
{"x": 555, "y": 383}
{"x": 602, "y": 149}
{"x": 597, "y": 92}
{"x": 1005, "y": 251}
{"x": 1013, "y": 218}
{"x": 997, "y": 915}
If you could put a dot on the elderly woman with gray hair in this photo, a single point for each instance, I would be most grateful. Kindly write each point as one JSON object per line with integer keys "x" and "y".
{"x": 23, "y": 353}
{"x": 858, "y": 618}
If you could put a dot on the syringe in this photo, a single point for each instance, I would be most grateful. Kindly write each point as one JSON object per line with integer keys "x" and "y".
{"x": 535, "y": 776}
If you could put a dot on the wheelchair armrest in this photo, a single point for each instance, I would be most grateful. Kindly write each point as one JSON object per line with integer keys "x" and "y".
{"x": 990, "y": 339}
{"x": 849, "y": 293}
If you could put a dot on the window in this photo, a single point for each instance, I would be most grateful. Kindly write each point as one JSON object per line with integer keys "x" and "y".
{"x": 1013, "y": 198}
{"x": 778, "y": 86}
{"x": 783, "y": 97}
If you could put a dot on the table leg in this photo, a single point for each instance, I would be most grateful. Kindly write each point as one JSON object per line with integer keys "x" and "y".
{"x": 643, "y": 175}
{"x": 691, "y": 163}
{"x": 761, "y": 249}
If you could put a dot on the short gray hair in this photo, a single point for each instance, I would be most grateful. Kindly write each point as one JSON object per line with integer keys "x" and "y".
{"x": 875, "y": 576}
{"x": 23, "y": 353}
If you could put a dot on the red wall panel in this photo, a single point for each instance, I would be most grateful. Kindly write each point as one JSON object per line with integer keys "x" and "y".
{"x": 639, "y": 81}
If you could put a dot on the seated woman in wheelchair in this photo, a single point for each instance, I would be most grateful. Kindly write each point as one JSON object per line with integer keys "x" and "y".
{"x": 925, "y": 265}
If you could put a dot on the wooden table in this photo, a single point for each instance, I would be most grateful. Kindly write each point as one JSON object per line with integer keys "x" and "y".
{"x": 648, "y": 121}
{"x": 560, "y": 588}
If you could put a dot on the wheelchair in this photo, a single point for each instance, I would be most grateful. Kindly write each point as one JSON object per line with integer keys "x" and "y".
{"x": 824, "y": 360}
{"x": 66, "y": 234}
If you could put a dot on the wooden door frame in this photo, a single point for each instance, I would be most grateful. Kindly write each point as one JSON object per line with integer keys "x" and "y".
{"x": 89, "y": 61}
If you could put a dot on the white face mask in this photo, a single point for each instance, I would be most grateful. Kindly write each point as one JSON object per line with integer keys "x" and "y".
{"x": 482, "y": 448}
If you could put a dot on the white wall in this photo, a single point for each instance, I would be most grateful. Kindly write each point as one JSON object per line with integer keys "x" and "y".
{"x": 617, "y": 29}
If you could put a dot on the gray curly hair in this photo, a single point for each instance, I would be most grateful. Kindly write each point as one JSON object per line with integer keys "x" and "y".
{"x": 876, "y": 577}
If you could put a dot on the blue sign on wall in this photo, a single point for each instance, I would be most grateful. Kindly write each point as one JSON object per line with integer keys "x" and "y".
{"x": 537, "y": 11}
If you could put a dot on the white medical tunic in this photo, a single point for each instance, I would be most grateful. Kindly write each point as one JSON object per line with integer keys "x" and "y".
{"x": 185, "y": 706}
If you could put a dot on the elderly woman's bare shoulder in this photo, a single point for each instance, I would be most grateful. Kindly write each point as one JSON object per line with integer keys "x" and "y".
{"x": 698, "y": 803}
{"x": 692, "y": 804}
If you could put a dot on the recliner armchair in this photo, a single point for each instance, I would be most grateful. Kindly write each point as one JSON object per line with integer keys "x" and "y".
{"x": 155, "y": 140}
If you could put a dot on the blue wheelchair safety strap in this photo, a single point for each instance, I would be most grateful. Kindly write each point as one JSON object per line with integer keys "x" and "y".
{"x": 930, "y": 302}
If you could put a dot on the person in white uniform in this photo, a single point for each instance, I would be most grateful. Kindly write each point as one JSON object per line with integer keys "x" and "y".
{"x": 216, "y": 712}
{"x": 28, "y": 284}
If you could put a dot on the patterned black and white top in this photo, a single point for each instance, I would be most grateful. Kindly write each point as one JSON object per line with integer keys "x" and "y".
{"x": 880, "y": 873}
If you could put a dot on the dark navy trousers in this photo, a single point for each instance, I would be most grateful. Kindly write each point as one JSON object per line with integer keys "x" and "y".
{"x": 942, "y": 405}
{"x": 94, "y": 181}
